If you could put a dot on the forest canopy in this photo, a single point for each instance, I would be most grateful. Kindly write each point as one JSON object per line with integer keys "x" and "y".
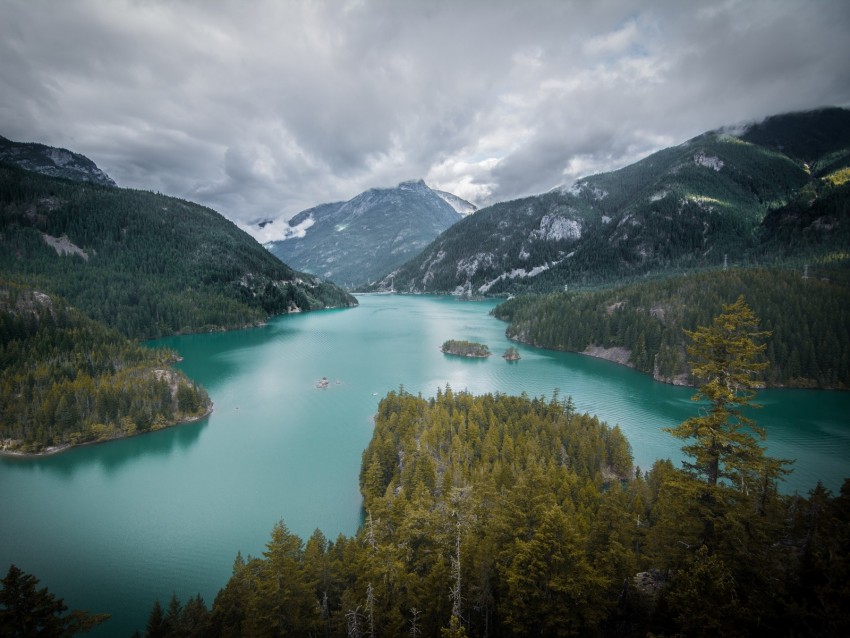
{"x": 807, "y": 313}
{"x": 463, "y": 348}
{"x": 143, "y": 263}
{"x": 497, "y": 515}
{"x": 66, "y": 380}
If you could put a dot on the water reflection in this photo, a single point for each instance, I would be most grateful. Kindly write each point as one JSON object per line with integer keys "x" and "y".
{"x": 111, "y": 456}
{"x": 194, "y": 349}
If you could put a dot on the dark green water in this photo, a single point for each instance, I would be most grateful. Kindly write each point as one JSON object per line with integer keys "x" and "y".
{"x": 113, "y": 527}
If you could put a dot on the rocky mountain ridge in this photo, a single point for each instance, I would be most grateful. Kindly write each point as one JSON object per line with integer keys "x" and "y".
{"x": 53, "y": 162}
{"x": 752, "y": 195}
{"x": 353, "y": 242}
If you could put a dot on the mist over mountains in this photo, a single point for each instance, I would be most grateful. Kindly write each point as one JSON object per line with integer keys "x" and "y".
{"x": 770, "y": 191}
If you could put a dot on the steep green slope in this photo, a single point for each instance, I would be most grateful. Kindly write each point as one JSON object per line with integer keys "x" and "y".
{"x": 66, "y": 380}
{"x": 710, "y": 200}
{"x": 820, "y": 138}
{"x": 642, "y": 325}
{"x": 144, "y": 263}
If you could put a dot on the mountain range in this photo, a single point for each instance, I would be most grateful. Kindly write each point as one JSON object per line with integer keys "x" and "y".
{"x": 354, "y": 242}
{"x": 754, "y": 194}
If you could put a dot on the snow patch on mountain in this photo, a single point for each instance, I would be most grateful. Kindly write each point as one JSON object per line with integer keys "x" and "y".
{"x": 516, "y": 272}
{"x": 460, "y": 205}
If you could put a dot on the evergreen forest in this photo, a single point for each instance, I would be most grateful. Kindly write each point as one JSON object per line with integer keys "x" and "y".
{"x": 492, "y": 515}
{"x": 514, "y": 516}
{"x": 87, "y": 270}
{"x": 775, "y": 194}
{"x": 67, "y": 380}
{"x": 501, "y": 515}
{"x": 464, "y": 348}
{"x": 807, "y": 312}
{"x": 143, "y": 263}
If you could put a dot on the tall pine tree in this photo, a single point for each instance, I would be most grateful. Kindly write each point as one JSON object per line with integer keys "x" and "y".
{"x": 727, "y": 357}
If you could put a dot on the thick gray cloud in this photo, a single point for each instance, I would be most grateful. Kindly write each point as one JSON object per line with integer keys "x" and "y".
{"x": 263, "y": 109}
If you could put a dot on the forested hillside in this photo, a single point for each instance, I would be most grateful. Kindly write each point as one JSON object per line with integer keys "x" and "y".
{"x": 145, "y": 264}
{"x": 772, "y": 192}
{"x": 806, "y": 311}
{"x": 511, "y": 516}
{"x": 66, "y": 380}
{"x": 85, "y": 266}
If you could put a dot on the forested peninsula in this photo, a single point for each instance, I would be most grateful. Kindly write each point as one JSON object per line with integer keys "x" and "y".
{"x": 807, "y": 311}
{"x": 500, "y": 515}
{"x": 67, "y": 380}
{"x": 87, "y": 270}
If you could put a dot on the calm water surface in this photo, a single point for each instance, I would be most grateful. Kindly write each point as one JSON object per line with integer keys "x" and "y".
{"x": 113, "y": 527}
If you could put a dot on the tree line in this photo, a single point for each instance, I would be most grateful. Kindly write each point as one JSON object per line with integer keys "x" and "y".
{"x": 512, "y": 516}
{"x": 66, "y": 380}
{"x": 808, "y": 313}
{"x": 152, "y": 265}
{"x": 465, "y": 348}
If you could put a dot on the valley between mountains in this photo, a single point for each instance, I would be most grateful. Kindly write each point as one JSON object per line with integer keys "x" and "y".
{"x": 721, "y": 263}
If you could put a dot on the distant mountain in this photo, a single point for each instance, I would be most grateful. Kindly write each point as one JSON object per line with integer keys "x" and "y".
{"x": 460, "y": 205}
{"x": 145, "y": 264}
{"x": 755, "y": 194}
{"x": 54, "y": 162}
{"x": 352, "y": 243}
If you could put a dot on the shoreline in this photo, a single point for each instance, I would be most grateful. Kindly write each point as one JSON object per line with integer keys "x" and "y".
{"x": 614, "y": 355}
{"x": 59, "y": 449}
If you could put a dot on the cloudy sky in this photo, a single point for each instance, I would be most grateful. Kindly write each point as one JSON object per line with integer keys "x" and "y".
{"x": 261, "y": 109}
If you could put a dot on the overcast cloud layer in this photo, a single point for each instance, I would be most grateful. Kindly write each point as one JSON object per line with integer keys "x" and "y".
{"x": 261, "y": 109}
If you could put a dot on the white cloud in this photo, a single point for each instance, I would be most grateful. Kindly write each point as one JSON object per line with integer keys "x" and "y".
{"x": 261, "y": 110}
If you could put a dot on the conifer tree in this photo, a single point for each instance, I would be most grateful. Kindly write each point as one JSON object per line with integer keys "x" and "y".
{"x": 28, "y": 611}
{"x": 726, "y": 356}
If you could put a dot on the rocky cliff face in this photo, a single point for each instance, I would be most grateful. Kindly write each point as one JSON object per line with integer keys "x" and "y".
{"x": 53, "y": 162}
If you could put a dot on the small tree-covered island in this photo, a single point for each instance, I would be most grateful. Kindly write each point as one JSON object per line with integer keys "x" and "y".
{"x": 470, "y": 349}
{"x": 511, "y": 354}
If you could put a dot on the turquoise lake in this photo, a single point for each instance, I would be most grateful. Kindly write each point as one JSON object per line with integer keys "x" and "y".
{"x": 112, "y": 527}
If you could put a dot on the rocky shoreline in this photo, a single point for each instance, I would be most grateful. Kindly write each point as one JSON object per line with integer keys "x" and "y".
{"x": 52, "y": 450}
